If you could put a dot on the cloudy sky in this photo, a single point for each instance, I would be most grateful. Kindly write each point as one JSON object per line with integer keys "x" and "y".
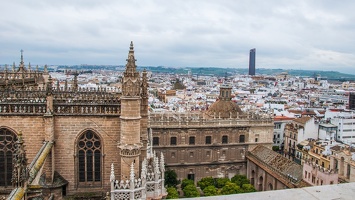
{"x": 199, "y": 33}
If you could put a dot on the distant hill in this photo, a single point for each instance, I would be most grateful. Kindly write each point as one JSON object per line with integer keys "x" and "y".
{"x": 217, "y": 71}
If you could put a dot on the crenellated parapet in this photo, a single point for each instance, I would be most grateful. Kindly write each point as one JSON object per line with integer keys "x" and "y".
{"x": 34, "y": 101}
{"x": 198, "y": 120}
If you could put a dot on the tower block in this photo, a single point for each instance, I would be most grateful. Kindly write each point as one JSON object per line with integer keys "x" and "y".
{"x": 130, "y": 143}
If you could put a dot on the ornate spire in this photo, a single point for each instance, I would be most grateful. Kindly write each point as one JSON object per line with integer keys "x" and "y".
{"x": 66, "y": 85}
{"x": 131, "y": 80}
{"x": 131, "y": 63}
{"x": 144, "y": 169}
{"x": 21, "y": 63}
{"x": 75, "y": 86}
{"x": 49, "y": 85}
{"x": 144, "y": 84}
{"x": 131, "y": 174}
{"x": 112, "y": 176}
{"x": 162, "y": 163}
{"x": 131, "y": 49}
{"x": 45, "y": 71}
{"x": 19, "y": 173}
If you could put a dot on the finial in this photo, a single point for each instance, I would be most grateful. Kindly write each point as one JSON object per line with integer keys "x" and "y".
{"x": 21, "y": 56}
{"x": 131, "y": 50}
{"x": 132, "y": 172}
{"x": 112, "y": 176}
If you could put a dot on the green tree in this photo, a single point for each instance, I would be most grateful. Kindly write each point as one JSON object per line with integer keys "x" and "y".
{"x": 275, "y": 148}
{"x": 230, "y": 188}
{"x": 205, "y": 182}
{"x": 172, "y": 193}
{"x": 210, "y": 191}
{"x": 221, "y": 182}
{"x": 240, "y": 180}
{"x": 171, "y": 178}
{"x": 248, "y": 188}
{"x": 191, "y": 191}
{"x": 186, "y": 182}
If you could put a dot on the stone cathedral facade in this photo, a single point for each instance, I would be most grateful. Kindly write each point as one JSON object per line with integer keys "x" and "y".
{"x": 213, "y": 143}
{"x": 75, "y": 140}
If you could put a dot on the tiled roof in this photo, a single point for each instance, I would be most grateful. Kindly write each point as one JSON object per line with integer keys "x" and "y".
{"x": 335, "y": 148}
{"x": 302, "y": 120}
{"x": 277, "y": 161}
{"x": 295, "y": 111}
{"x": 281, "y": 118}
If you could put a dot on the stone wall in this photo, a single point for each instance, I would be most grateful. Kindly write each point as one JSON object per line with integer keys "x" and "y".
{"x": 218, "y": 159}
{"x": 67, "y": 129}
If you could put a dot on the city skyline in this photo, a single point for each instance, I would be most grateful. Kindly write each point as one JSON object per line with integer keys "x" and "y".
{"x": 299, "y": 35}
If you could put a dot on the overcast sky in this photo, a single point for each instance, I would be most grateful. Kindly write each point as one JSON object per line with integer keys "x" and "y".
{"x": 198, "y": 33}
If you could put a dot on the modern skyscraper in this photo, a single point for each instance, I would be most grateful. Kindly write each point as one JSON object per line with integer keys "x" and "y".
{"x": 252, "y": 62}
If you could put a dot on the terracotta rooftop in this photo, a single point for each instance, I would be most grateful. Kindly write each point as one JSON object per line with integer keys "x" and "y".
{"x": 295, "y": 111}
{"x": 302, "y": 120}
{"x": 309, "y": 112}
{"x": 335, "y": 148}
{"x": 281, "y": 118}
{"x": 321, "y": 112}
{"x": 277, "y": 161}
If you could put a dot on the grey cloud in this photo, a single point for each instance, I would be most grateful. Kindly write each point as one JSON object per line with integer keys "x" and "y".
{"x": 301, "y": 34}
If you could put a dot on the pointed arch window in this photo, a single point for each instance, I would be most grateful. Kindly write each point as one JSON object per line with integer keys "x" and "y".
{"x": 7, "y": 148}
{"x": 89, "y": 158}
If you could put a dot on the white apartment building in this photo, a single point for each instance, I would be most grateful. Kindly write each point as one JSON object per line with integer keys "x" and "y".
{"x": 345, "y": 120}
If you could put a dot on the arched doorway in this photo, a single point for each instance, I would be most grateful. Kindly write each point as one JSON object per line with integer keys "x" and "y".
{"x": 260, "y": 184}
{"x": 252, "y": 178}
{"x": 270, "y": 186}
{"x": 7, "y": 148}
